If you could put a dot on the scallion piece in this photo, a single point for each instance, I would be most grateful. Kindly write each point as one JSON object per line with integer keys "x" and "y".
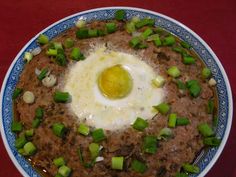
{"x": 36, "y": 122}
{"x": 140, "y": 124}
{"x": 130, "y": 27}
{"x": 58, "y": 175}
{"x": 142, "y": 46}
{"x": 146, "y": 33}
{"x": 150, "y": 144}
{"x": 145, "y": 22}
{"x": 52, "y": 52}
{"x": 76, "y": 54}
{"x": 182, "y": 121}
{"x": 205, "y": 130}
{"x": 215, "y": 121}
{"x": 163, "y": 108}
{"x": 120, "y": 15}
{"x": 59, "y": 129}
{"x": 111, "y": 27}
{"x": 68, "y": 43}
{"x": 194, "y": 88}
{"x": 159, "y": 81}
{"x": 157, "y": 42}
{"x": 188, "y": 60}
{"x": 82, "y": 33}
{"x": 80, "y": 23}
{"x": 169, "y": 41}
{"x": 177, "y": 49}
{"x": 101, "y": 32}
{"x": 57, "y": 46}
{"x": 61, "y": 97}
{"x": 212, "y": 141}
{"x": 64, "y": 170}
{"x": 180, "y": 85}
{"x": 42, "y": 39}
{"x": 60, "y": 161}
{"x": 92, "y": 33}
{"x": 98, "y": 135}
{"x": 138, "y": 166}
{"x": 94, "y": 150}
{"x": 29, "y": 148}
{"x": 20, "y": 142}
{"x": 39, "y": 112}
{"x": 173, "y": 71}
{"x": 172, "y": 120}
{"x": 210, "y": 106}
{"x": 206, "y": 73}
{"x": 17, "y": 93}
{"x": 181, "y": 175}
{"x": 191, "y": 168}
{"x": 61, "y": 59}
{"x": 43, "y": 74}
{"x": 28, "y": 57}
{"x": 164, "y": 133}
{"x": 135, "y": 19}
{"x": 185, "y": 45}
{"x": 134, "y": 42}
{"x": 16, "y": 126}
{"x": 29, "y": 133}
{"x": 117, "y": 163}
{"x": 83, "y": 129}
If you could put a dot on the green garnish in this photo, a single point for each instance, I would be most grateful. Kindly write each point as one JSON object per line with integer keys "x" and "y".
{"x": 42, "y": 39}
{"x": 181, "y": 175}
{"x": 98, "y": 135}
{"x": 205, "y": 130}
{"x": 68, "y": 43}
{"x": 94, "y": 149}
{"x": 173, "y": 71}
{"x": 212, "y": 141}
{"x": 194, "y": 88}
{"x": 43, "y": 74}
{"x": 145, "y": 22}
{"x": 64, "y": 170}
{"x": 29, "y": 133}
{"x": 164, "y": 133}
{"x": 39, "y": 112}
{"x": 61, "y": 97}
{"x": 150, "y": 144}
{"x": 130, "y": 27}
{"x": 60, "y": 161}
{"x": 61, "y": 59}
{"x": 140, "y": 124}
{"x": 169, "y": 41}
{"x": 16, "y": 126}
{"x": 134, "y": 42}
{"x": 172, "y": 120}
{"x": 188, "y": 60}
{"x": 59, "y": 129}
{"x": 206, "y": 73}
{"x": 28, "y": 57}
{"x": 191, "y": 168}
{"x": 163, "y": 108}
{"x": 180, "y": 85}
{"x": 117, "y": 163}
{"x": 111, "y": 27}
{"x": 138, "y": 166}
{"x": 157, "y": 42}
{"x": 146, "y": 33}
{"x": 185, "y": 45}
{"x": 120, "y": 15}
{"x": 17, "y": 93}
{"x": 52, "y": 52}
{"x": 20, "y": 142}
{"x": 159, "y": 81}
{"x": 182, "y": 121}
{"x": 82, "y": 33}
{"x": 210, "y": 106}
{"x": 76, "y": 54}
{"x": 83, "y": 129}
{"x": 92, "y": 33}
{"x": 36, "y": 122}
{"x": 29, "y": 148}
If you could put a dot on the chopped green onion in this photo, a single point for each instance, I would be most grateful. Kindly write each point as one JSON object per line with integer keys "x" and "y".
{"x": 29, "y": 148}
{"x": 76, "y": 54}
{"x": 215, "y": 121}
{"x": 205, "y": 130}
{"x": 178, "y": 50}
{"x": 150, "y": 144}
{"x": 146, "y": 33}
{"x": 140, "y": 124}
{"x": 80, "y": 23}
{"x": 212, "y": 141}
{"x": 29, "y": 132}
{"x": 94, "y": 150}
{"x": 134, "y": 42}
{"x": 57, "y": 45}
{"x": 181, "y": 175}
{"x": 169, "y": 41}
{"x": 98, "y": 135}
{"x": 130, "y": 27}
{"x": 17, "y": 93}
{"x": 16, "y": 126}
{"x": 60, "y": 161}
{"x": 101, "y": 32}
{"x": 164, "y": 133}
{"x": 206, "y": 73}
{"x": 82, "y": 33}
{"x": 210, "y": 107}
{"x": 188, "y": 60}
{"x": 92, "y": 33}
{"x": 142, "y": 46}
{"x": 191, "y": 168}
{"x": 173, "y": 71}
{"x": 61, "y": 97}
{"x": 180, "y": 85}
{"x": 58, "y": 175}
{"x": 43, "y": 74}
{"x": 21, "y": 151}
{"x": 145, "y": 22}
{"x": 117, "y": 163}
{"x": 64, "y": 170}
{"x": 39, "y": 112}
{"x": 20, "y": 142}
{"x": 86, "y": 165}
{"x": 59, "y": 129}
{"x": 153, "y": 37}
{"x": 68, "y": 43}
{"x": 52, "y": 52}
{"x": 83, "y": 129}
{"x": 159, "y": 30}
{"x": 159, "y": 81}
{"x": 111, "y": 27}
{"x": 182, "y": 121}
{"x": 138, "y": 166}
{"x": 172, "y": 120}
{"x": 157, "y": 42}
{"x": 194, "y": 88}
{"x": 28, "y": 57}
{"x": 42, "y": 39}
{"x": 120, "y": 15}
{"x": 185, "y": 45}
{"x": 163, "y": 108}
{"x": 61, "y": 59}
{"x": 135, "y": 19}
{"x": 36, "y": 122}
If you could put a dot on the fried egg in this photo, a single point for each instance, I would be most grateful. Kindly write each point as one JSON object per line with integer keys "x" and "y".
{"x": 111, "y": 89}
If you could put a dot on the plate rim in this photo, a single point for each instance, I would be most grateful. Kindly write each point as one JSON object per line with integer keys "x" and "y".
{"x": 222, "y": 70}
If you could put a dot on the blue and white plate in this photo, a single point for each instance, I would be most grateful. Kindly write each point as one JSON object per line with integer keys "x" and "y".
{"x": 205, "y": 161}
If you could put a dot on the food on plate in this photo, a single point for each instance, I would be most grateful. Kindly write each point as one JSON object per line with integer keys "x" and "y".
{"x": 121, "y": 97}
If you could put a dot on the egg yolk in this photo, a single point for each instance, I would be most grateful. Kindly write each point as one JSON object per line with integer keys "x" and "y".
{"x": 115, "y": 82}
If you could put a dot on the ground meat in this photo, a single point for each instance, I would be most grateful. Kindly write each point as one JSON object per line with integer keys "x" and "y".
{"x": 181, "y": 148}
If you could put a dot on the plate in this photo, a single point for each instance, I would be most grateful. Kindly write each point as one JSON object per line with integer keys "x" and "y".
{"x": 205, "y": 160}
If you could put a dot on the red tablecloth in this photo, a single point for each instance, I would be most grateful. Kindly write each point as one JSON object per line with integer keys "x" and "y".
{"x": 213, "y": 20}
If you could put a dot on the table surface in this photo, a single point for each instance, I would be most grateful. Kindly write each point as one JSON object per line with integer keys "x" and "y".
{"x": 213, "y": 20}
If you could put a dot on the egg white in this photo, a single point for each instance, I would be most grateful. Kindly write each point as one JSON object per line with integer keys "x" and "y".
{"x": 89, "y": 104}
